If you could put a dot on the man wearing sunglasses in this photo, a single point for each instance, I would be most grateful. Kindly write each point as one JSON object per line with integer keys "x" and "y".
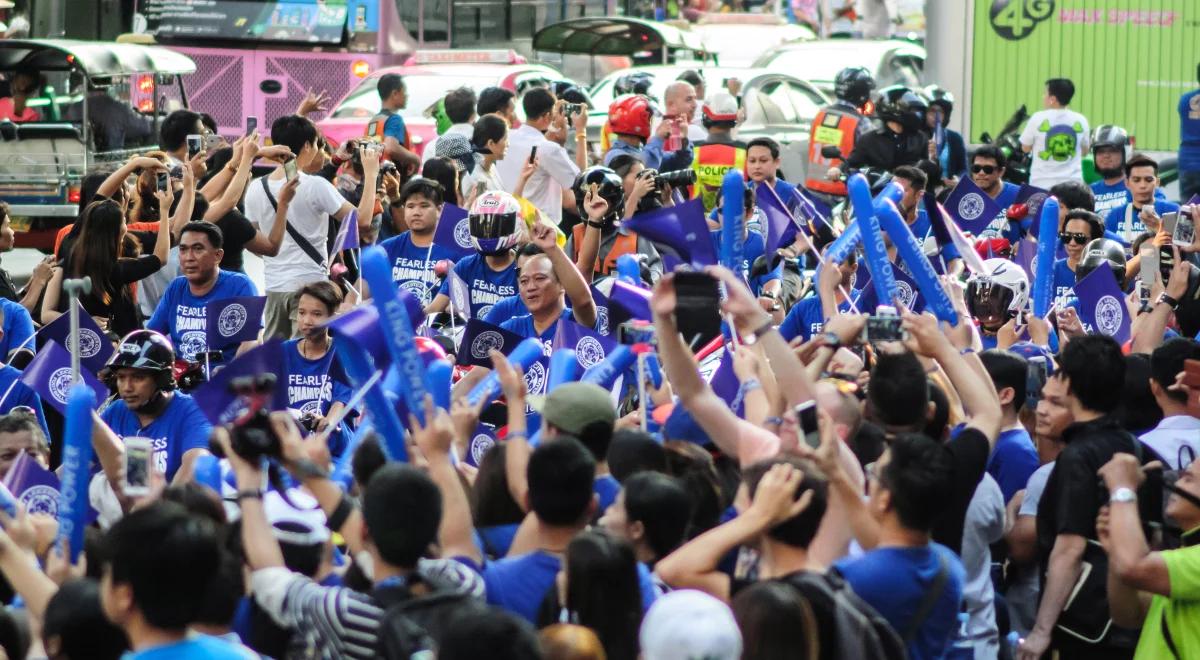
{"x": 1080, "y": 228}
{"x": 987, "y": 172}
{"x": 1170, "y": 618}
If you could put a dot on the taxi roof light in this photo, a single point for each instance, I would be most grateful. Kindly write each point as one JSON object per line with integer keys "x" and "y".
{"x": 450, "y": 56}
{"x": 360, "y": 68}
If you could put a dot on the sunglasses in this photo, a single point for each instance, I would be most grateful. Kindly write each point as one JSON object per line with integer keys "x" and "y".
{"x": 1079, "y": 239}
{"x": 986, "y": 169}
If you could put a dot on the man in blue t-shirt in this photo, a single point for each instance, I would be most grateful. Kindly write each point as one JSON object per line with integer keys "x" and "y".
{"x": 914, "y": 181}
{"x": 14, "y": 394}
{"x": 181, "y": 313}
{"x": 1189, "y": 143}
{"x": 1014, "y": 458}
{"x": 987, "y": 172}
{"x": 17, "y": 328}
{"x": 807, "y": 317}
{"x": 413, "y": 254}
{"x": 1143, "y": 212}
{"x": 545, "y": 277}
{"x": 908, "y": 492}
{"x": 149, "y": 407}
{"x": 388, "y": 126}
{"x": 1110, "y": 145}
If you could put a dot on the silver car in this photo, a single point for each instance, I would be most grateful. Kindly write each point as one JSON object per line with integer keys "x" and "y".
{"x": 891, "y": 61}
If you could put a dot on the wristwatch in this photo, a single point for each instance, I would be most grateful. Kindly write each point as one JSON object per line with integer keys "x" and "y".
{"x": 1122, "y": 494}
{"x": 767, "y": 326}
{"x": 832, "y": 340}
{"x": 1168, "y": 300}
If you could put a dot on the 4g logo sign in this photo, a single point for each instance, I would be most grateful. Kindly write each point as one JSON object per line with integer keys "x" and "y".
{"x": 1016, "y": 19}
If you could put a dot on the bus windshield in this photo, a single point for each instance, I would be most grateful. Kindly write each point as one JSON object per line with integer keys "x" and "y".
{"x": 424, "y": 90}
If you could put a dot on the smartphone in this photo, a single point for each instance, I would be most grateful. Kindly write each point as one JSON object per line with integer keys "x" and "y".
{"x": 1149, "y": 266}
{"x": 1168, "y": 222}
{"x": 697, "y": 307}
{"x": 806, "y": 418}
{"x": 289, "y": 170}
{"x": 163, "y": 180}
{"x": 251, "y": 124}
{"x": 195, "y": 143}
{"x": 1185, "y": 231}
{"x": 533, "y": 156}
{"x": 1035, "y": 379}
{"x": 883, "y": 328}
{"x": 636, "y": 331}
{"x": 139, "y": 465}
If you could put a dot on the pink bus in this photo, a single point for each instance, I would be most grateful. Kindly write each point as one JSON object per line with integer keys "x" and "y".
{"x": 258, "y": 58}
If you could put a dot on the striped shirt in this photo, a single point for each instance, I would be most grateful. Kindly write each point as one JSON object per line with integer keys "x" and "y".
{"x": 339, "y": 622}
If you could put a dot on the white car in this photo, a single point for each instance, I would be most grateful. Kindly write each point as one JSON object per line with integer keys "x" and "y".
{"x": 740, "y": 39}
{"x": 891, "y": 61}
{"x": 777, "y": 105}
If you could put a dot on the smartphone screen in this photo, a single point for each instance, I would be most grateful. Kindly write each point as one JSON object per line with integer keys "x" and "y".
{"x": 139, "y": 456}
{"x": 1149, "y": 266}
{"x": 1185, "y": 231}
{"x": 697, "y": 306}
{"x": 884, "y": 328}
{"x": 251, "y": 124}
{"x": 533, "y": 153}
{"x": 806, "y": 418}
{"x": 289, "y": 170}
{"x": 163, "y": 179}
{"x": 195, "y": 143}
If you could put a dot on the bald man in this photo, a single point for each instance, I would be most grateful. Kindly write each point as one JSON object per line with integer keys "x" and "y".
{"x": 680, "y": 100}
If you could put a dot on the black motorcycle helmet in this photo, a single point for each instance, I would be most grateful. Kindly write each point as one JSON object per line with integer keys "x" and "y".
{"x": 636, "y": 82}
{"x": 854, "y": 85}
{"x": 1110, "y": 136}
{"x": 146, "y": 350}
{"x": 902, "y": 105}
{"x": 941, "y": 98}
{"x": 1099, "y": 251}
{"x": 610, "y": 188}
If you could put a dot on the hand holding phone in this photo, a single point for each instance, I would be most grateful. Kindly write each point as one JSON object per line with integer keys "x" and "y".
{"x": 806, "y": 419}
{"x": 697, "y": 306}
{"x": 289, "y": 170}
{"x": 139, "y": 466}
{"x": 532, "y": 153}
{"x": 162, "y": 180}
{"x": 1185, "y": 230}
{"x": 251, "y": 125}
{"x": 195, "y": 143}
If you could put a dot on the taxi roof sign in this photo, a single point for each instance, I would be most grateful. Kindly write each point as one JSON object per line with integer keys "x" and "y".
{"x": 451, "y": 56}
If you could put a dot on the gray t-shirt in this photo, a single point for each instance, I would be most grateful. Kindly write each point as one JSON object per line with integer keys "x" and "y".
{"x": 1034, "y": 489}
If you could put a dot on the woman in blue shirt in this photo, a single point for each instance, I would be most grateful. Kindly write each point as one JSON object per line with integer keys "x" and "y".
{"x": 304, "y": 374}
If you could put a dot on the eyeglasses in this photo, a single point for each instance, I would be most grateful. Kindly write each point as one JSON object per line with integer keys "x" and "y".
{"x": 986, "y": 169}
{"x": 1079, "y": 239}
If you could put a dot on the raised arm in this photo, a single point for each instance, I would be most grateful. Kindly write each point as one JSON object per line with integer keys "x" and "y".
{"x": 115, "y": 180}
{"x": 589, "y": 250}
{"x": 517, "y": 448}
{"x": 187, "y": 203}
{"x": 456, "y": 531}
{"x": 162, "y": 246}
{"x": 583, "y": 307}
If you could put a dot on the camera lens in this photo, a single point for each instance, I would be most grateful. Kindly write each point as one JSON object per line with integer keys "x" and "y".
{"x": 678, "y": 178}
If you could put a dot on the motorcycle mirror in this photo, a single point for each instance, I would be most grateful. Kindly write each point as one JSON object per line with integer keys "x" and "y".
{"x": 986, "y": 138}
{"x": 831, "y": 151}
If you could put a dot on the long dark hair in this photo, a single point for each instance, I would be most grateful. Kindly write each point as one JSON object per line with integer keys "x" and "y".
{"x": 444, "y": 171}
{"x": 603, "y": 592}
{"x": 491, "y": 502}
{"x": 777, "y": 622}
{"x": 98, "y": 247}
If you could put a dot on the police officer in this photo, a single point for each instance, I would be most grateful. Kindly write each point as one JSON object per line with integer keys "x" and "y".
{"x": 900, "y": 141}
{"x": 719, "y": 152}
{"x": 388, "y": 127}
{"x": 839, "y": 124}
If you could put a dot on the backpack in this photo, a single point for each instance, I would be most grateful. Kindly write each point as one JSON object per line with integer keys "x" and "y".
{"x": 858, "y": 630}
{"x": 413, "y": 625}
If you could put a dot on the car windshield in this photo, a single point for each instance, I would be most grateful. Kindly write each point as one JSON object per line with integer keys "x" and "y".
{"x": 423, "y": 91}
{"x": 822, "y": 62}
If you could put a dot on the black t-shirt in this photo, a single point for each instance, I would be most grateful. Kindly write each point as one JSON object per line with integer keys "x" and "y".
{"x": 121, "y": 310}
{"x": 1074, "y": 492}
{"x": 885, "y": 150}
{"x": 7, "y": 288}
{"x": 236, "y": 232}
{"x": 969, "y": 452}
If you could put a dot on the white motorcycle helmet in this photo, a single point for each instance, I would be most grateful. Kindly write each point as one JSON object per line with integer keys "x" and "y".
{"x": 495, "y": 222}
{"x": 999, "y": 293}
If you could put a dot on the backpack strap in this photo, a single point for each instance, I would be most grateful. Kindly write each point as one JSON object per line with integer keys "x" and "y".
{"x": 1166, "y": 633}
{"x": 931, "y": 597}
{"x": 292, "y": 231}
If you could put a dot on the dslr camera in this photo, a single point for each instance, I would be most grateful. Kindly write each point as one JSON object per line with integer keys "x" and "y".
{"x": 250, "y": 432}
{"x": 676, "y": 179}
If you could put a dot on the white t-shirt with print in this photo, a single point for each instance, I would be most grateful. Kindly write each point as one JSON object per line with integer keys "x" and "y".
{"x": 315, "y": 200}
{"x": 1059, "y": 138}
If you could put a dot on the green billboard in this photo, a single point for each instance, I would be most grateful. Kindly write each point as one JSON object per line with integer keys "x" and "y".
{"x": 1130, "y": 61}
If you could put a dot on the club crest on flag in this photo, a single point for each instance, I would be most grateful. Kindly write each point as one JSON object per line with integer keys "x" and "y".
{"x": 480, "y": 445}
{"x": 1101, "y": 304}
{"x": 454, "y": 231}
{"x": 970, "y": 206}
{"x": 228, "y": 321}
{"x": 485, "y": 342}
{"x": 589, "y": 351}
{"x": 231, "y": 320}
{"x": 59, "y": 384}
{"x": 94, "y": 347}
{"x": 535, "y": 378}
{"x": 33, "y": 486}
{"x": 1109, "y": 315}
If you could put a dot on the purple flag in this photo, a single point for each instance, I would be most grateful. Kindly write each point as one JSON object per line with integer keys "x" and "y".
{"x": 454, "y": 231}
{"x": 362, "y": 323}
{"x": 480, "y": 338}
{"x": 813, "y": 204}
{"x": 94, "y": 346}
{"x": 49, "y": 374}
{"x": 634, "y": 300}
{"x": 590, "y": 346}
{"x": 233, "y": 320}
{"x": 1102, "y": 305}
{"x": 482, "y": 440}
{"x": 215, "y": 399}
{"x": 970, "y": 207}
{"x": 1026, "y": 257}
{"x": 682, "y": 227}
{"x": 347, "y": 235}
{"x": 725, "y": 383}
{"x": 1033, "y": 197}
{"x": 460, "y": 294}
{"x": 937, "y": 222}
{"x": 33, "y": 486}
{"x": 907, "y": 293}
{"x": 780, "y": 226}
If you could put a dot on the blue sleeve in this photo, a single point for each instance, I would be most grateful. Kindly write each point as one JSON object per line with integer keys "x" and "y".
{"x": 1112, "y": 221}
{"x": 652, "y": 153}
{"x": 394, "y": 128}
{"x": 25, "y": 396}
{"x": 158, "y": 321}
{"x": 680, "y": 159}
{"x": 20, "y": 327}
{"x": 341, "y": 391}
{"x": 1012, "y": 468}
{"x": 245, "y": 287}
{"x": 194, "y": 429}
{"x": 792, "y": 323}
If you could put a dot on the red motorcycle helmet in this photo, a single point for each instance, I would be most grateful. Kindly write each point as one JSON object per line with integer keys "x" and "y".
{"x": 631, "y": 115}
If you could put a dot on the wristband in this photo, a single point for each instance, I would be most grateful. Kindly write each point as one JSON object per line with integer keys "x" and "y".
{"x": 1168, "y": 300}
{"x": 967, "y": 351}
{"x": 597, "y": 225}
{"x": 760, "y": 332}
{"x": 516, "y": 434}
{"x": 777, "y": 421}
{"x": 249, "y": 494}
{"x": 340, "y": 513}
{"x": 750, "y": 384}
{"x": 306, "y": 469}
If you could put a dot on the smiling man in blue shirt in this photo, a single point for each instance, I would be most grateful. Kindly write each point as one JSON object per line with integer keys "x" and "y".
{"x": 543, "y": 280}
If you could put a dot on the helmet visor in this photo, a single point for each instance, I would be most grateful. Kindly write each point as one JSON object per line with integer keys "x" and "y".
{"x": 988, "y": 302}
{"x": 492, "y": 226}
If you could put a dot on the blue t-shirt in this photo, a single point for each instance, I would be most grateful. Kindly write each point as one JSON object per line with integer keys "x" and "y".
{"x": 182, "y": 316}
{"x": 894, "y": 582}
{"x": 752, "y": 248}
{"x": 195, "y": 647}
{"x": 922, "y": 229}
{"x": 1064, "y": 282}
{"x": 20, "y": 394}
{"x": 1013, "y": 460}
{"x": 523, "y": 325}
{"x": 506, "y": 309}
{"x": 1189, "y": 132}
{"x": 394, "y": 128}
{"x": 487, "y": 286}
{"x": 1000, "y": 226}
{"x": 309, "y": 388}
{"x": 806, "y": 319}
{"x": 412, "y": 266}
{"x": 18, "y": 327}
{"x": 1115, "y": 221}
{"x": 180, "y": 427}
{"x": 1109, "y": 197}
{"x": 606, "y": 488}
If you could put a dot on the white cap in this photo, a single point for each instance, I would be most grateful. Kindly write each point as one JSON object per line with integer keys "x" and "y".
{"x": 690, "y": 624}
{"x": 303, "y": 524}
{"x": 721, "y": 106}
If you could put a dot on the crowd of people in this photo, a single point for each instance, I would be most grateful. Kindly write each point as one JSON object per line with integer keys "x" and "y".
{"x": 723, "y": 447}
